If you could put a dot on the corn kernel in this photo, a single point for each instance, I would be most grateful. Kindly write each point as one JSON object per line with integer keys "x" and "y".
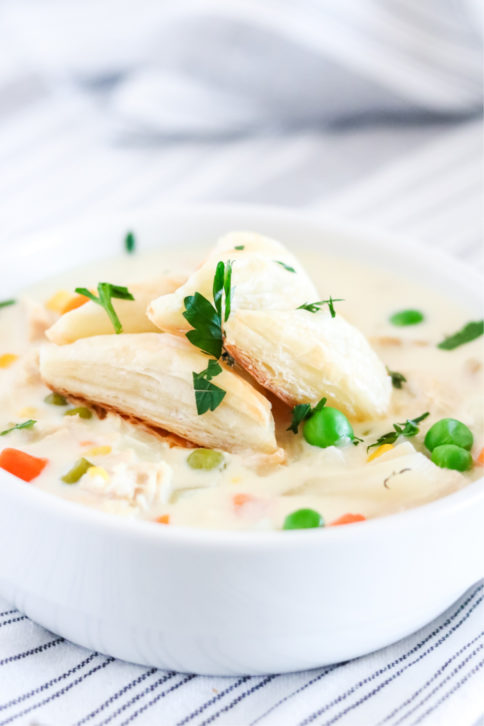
{"x": 99, "y": 451}
{"x": 58, "y": 301}
{"x": 98, "y": 471}
{"x": 381, "y": 450}
{"x": 7, "y": 359}
{"x": 28, "y": 412}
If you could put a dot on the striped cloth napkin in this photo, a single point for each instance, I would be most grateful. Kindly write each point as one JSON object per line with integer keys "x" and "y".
{"x": 386, "y": 132}
{"x": 434, "y": 678}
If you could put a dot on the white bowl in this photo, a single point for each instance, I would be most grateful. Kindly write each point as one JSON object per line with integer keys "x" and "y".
{"x": 233, "y": 603}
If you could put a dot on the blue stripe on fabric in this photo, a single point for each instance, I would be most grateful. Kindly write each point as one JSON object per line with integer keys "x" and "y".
{"x": 213, "y": 700}
{"x": 13, "y": 620}
{"x": 117, "y": 695}
{"x": 448, "y": 678}
{"x": 32, "y": 651}
{"x": 342, "y": 697}
{"x": 402, "y": 670}
{"x": 437, "y": 673}
{"x": 163, "y": 694}
{"x": 149, "y": 689}
{"x": 264, "y": 682}
{"x": 52, "y": 682}
{"x": 298, "y": 690}
{"x": 450, "y": 692}
{"x": 59, "y": 693}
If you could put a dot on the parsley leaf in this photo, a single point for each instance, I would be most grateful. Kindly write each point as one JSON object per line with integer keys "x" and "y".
{"x": 130, "y": 242}
{"x": 407, "y": 428}
{"x": 239, "y": 247}
{"x": 106, "y": 292}
{"x": 301, "y": 412}
{"x": 469, "y": 332}
{"x": 206, "y": 323}
{"x": 205, "y": 318}
{"x": 316, "y": 306}
{"x": 207, "y": 395}
{"x": 286, "y": 267}
{"x": 398, "y": 379}
{"x": 25, "y": 425}
{"x": 6, "y": 303}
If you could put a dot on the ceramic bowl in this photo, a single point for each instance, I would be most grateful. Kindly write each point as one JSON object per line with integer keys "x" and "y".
{"x": 233, "y": 603}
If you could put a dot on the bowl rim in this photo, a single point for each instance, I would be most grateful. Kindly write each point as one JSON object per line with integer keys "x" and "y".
{"x": 447, "y": 505}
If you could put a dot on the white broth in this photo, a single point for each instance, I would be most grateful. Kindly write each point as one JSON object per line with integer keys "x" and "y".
{"x": 136, "y": 473}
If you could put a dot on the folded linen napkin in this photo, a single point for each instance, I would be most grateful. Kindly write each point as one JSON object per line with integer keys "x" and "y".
{"x": 204, "y": 68}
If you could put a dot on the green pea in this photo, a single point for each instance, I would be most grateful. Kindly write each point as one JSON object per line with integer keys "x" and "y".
{"x": 328, "y": 427}
{"x": 449, "y": 431}
{"x": 55, "y": 399}
{"x": 77, "y": 471}
{"x": 450, "y": 456}
{"x": 303, "y": 519}
{"x": 206, "y": 459}
{"x": 407, "y": 317}
{"x": 80, "y": 411}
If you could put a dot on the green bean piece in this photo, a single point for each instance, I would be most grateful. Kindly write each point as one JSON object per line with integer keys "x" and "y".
{"x": 80, "y": 411}
{"x": 77, "y": 471}
{"x": 55, "y": 399}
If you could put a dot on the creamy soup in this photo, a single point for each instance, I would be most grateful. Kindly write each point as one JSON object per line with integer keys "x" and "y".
{"x": 135, "y": 470}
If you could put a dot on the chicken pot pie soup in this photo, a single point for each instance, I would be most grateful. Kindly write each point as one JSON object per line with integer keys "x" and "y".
{"x": 240, "y": 392}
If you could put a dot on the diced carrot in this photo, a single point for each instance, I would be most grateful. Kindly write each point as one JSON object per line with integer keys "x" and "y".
{"x": 480, "y": 458}
{"x": 381, "y": 450}
{"x": 348, "y": 519}
{"x": 87, "y": 443}
{"x": 163, "y": 519}
{"x": 239, "y": 500}
{"x": 75, "y": 302}
{"x": 21, "y": 464}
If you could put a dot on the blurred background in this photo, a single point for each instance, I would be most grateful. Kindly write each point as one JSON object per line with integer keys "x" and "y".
{"x": 367, "y": 109}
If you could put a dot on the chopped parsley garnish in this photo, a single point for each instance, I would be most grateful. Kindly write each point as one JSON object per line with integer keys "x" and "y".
{"x": 398, "y": 379}
{"x": 107, "y": 292}
{"x": 205, "y": 318}
{"x": 207, "y": 326}
{"x": 6, "y": 303}
{"x": 408, "y": 428}
{"x": 316, "y": 306}
{"x": 239, "y": 247}
{"x": 286, "y": 267}
{"x": 207, "y": 395}
{"x": 407, "y": 317}
{"x": 303, "y": 411}
{"x": 25, "y": 425}
{"x": 130, "y": 242}
{"x": 207, "y": 334}
{"x": 469, "y": 332}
